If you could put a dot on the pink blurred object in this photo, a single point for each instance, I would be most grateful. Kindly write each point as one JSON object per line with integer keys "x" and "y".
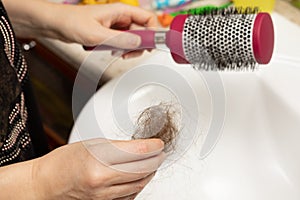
{"x": 71, "y": 1}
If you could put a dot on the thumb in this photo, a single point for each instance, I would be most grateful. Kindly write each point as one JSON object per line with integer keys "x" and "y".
{"x": 121, "y": 39}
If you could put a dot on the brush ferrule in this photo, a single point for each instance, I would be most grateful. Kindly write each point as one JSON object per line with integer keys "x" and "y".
{"x": 160, "y": 40}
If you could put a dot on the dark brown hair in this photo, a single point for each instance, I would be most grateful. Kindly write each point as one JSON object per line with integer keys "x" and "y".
{"x": 159, "y": 121}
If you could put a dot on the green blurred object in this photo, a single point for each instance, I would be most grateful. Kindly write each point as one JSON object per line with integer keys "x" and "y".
{"x": 296, "y": 3}
{"x": 201, "y": 10}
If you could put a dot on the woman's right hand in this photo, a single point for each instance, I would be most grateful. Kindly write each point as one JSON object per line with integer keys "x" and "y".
{"x": 97, "y": 169}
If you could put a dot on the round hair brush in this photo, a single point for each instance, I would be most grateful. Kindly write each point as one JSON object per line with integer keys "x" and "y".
{"x": 215, "y": 41}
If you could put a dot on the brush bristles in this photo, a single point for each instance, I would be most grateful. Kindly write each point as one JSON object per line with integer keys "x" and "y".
{"x": 220, "y": 41}
{"x": 224, "y": 11}
{"x": 245, "y": 66}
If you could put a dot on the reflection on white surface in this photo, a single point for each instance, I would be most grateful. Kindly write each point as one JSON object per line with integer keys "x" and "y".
{"x": 257, "y": 153}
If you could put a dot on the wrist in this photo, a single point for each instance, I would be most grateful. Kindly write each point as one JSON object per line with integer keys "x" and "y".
{"x": 50, "y": 175}
{"x": 18, "y": 177}
{"x": 38, "y": 181}
{"x": 32, "y": 18}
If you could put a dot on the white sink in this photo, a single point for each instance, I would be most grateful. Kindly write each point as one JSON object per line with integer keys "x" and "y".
{"x": 240, "y": 136}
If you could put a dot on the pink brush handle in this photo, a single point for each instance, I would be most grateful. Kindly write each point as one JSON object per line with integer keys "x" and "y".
{"x": 147, "y": 41}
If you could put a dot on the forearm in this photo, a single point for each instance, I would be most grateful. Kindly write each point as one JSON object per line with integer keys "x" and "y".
{"x": 32, "y": 18}
{"x": 17, "y": 182}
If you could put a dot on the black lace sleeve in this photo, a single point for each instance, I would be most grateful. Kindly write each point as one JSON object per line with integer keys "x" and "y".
{"x": 18, "y": 136}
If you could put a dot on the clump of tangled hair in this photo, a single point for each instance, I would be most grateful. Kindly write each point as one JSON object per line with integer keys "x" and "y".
{"x": 158, "y": 121}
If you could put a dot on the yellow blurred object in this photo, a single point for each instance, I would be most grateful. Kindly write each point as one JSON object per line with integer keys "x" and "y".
{"x": 263, "y": 5}
{"x": 89, "y": 2}
{"x": 129, "y": 2}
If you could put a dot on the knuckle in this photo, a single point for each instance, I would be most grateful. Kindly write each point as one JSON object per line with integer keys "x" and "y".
{"x": 95, "y": 179}
{"x": 92, "y": 40}
{"x": 139, "y": 186}
{"x": 131, "y": 197}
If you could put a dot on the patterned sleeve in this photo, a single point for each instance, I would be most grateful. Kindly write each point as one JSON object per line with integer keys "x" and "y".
{"x": 15, "y": 140}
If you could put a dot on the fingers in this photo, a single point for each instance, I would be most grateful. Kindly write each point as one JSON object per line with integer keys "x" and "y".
{"x": 129, "y": 172}
{"x": 118, "y": 152}
{"x": 130, "y": 197}
{"x": 127, "y": 17}
{"x": 134, "y": 171}
{"x": 131, "y": 189}
{"x": 127, "y": 161}
{"x": 132, "y": 54}
{"x": 141, "y": 166}
{"x": 119, "y": 39}
{"x": 137, "y": 15}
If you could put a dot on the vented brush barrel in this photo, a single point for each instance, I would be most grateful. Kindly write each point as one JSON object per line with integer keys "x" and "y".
{"x": 222, "y": 41}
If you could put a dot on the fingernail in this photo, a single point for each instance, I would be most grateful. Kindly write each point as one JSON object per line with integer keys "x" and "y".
{"x": 116, "y": 53}
{"x": 133, "y": 41}
{"x": 125, "y": 57}
{"x": 160, "y": 140}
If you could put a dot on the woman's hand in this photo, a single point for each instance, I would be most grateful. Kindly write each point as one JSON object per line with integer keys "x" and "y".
{"x": 97, "y": 169}
{"x": 95, "y": 24}
{"x": 88, "y": 25}
{"x": 92, "y": 25}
